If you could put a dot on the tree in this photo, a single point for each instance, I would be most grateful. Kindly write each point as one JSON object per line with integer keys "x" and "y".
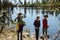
{"x": 0, "y": 5}
{"x": 43, "y": 1}
{"x": 20, "y": 2}
{"x": 24, "y": 2}
{"x": 3, "y": 20}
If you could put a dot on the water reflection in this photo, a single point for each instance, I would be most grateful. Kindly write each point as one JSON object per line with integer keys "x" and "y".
{"x": 59, "y": 18}
{"x": 31, "y": 14}
{"x": 24, "y": 11}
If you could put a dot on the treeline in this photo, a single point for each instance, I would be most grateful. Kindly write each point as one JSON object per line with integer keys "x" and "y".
{"x": 4, "y": 5}
{"x": 47, "y": 3}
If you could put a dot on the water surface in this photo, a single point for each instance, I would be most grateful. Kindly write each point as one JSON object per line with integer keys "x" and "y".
{"x": 31, "y": 14}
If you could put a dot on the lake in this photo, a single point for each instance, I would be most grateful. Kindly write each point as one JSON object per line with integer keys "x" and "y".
{"x": 32, "y": 13}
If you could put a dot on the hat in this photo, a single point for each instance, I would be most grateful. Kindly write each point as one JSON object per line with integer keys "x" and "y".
{"x": 46, "y": 16}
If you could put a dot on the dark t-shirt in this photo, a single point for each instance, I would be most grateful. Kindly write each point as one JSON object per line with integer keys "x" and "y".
{"x": 37, "y": 23}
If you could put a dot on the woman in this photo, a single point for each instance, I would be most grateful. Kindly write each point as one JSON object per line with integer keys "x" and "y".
{"x": 45, "y": 25}
{"x": 20, "y": 23}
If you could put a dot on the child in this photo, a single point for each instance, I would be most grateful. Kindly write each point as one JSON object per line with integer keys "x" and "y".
{"x": 37, "y": 25}
{"x": 20, "y": 23}
{"x": 45, "y": 25}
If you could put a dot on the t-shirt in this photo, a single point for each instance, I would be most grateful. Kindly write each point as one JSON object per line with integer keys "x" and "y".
{"x": 37, "y": 23}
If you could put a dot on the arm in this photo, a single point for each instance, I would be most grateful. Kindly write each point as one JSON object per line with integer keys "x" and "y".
{"x": 34, "y": 22}
{"x": 23, "y": 16}
{"x": 39, "y": 23}
{"x": 45, "y": 23}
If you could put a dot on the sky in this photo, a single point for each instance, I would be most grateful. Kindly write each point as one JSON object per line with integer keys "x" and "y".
{"x": 22, "y": 1}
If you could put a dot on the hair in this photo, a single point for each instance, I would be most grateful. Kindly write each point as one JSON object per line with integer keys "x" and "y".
{"x": 46, "y": 16}
{"x": 38, "y": 16}
{"x": 20, "y": 14}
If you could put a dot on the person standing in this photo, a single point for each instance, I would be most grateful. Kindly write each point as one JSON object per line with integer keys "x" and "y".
{"x": 37, "y": 25}
{"x": 45, "y": 25}
{"x": 20, "y": 23}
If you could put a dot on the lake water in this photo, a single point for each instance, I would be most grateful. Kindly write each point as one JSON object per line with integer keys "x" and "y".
{"x": 31, "y": 14}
